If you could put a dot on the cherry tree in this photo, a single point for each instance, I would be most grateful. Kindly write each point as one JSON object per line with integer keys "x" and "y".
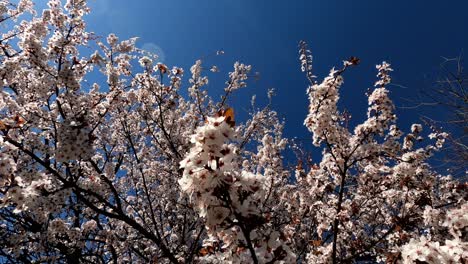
{"x": 133, "y": 167}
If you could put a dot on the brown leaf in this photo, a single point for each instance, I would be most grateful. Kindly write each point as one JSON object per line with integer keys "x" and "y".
{"x": 229, "y": 116}
{"x": 162, "y": 68}
{"x": 299, "y": 165}
{"x": 354, "y": 60}
{"x": 3, "y": 126}
{"x": 316, "y": 243}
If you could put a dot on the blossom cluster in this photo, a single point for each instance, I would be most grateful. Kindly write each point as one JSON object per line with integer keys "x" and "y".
{"x": 453, "y": 250}
{"x": 73, "y": 142}
{"x": 225, "y": 197}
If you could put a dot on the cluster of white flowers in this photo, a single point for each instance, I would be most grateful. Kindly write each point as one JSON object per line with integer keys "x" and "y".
{"x": 457, "y": 222}
{"x": 225, "y": 197}
{"x": 237, "y": 77}
{"x": 305, "y": 58}
{"x": 323, "y": 114}
{"x": 197, "y": 81}
{"x": 196, "y": 70}
{"x": 384, "y": 70}
{"x": 431, "y": 252}
{"x": 380, "y": 111}
{"x": 7, "y": 169}
{"x": 453, "y": 250}
{"x": 77, "y": 8}
{"x": 146, "y": 62}
{"x": 209, "y": 163}
{"x": 440, "y": 139}
{"x": 61, "y": 232}
{"x": 27, "y": 191}
{"x": 74, "y": 142}
{"x": 112, "y": 39}
{"x": 68, "y": 78}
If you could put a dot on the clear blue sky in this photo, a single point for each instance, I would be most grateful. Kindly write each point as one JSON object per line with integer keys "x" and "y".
{"x": 412, "y": 35}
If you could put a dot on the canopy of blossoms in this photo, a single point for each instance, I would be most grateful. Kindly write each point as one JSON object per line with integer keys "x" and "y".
{"x": 134, "y": 167}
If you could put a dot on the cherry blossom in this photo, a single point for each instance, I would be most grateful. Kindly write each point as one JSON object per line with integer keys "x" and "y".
{"x": 108, "y": 155}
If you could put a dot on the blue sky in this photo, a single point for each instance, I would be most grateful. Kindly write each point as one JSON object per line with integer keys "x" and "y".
{"x": 411, "y": 35}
